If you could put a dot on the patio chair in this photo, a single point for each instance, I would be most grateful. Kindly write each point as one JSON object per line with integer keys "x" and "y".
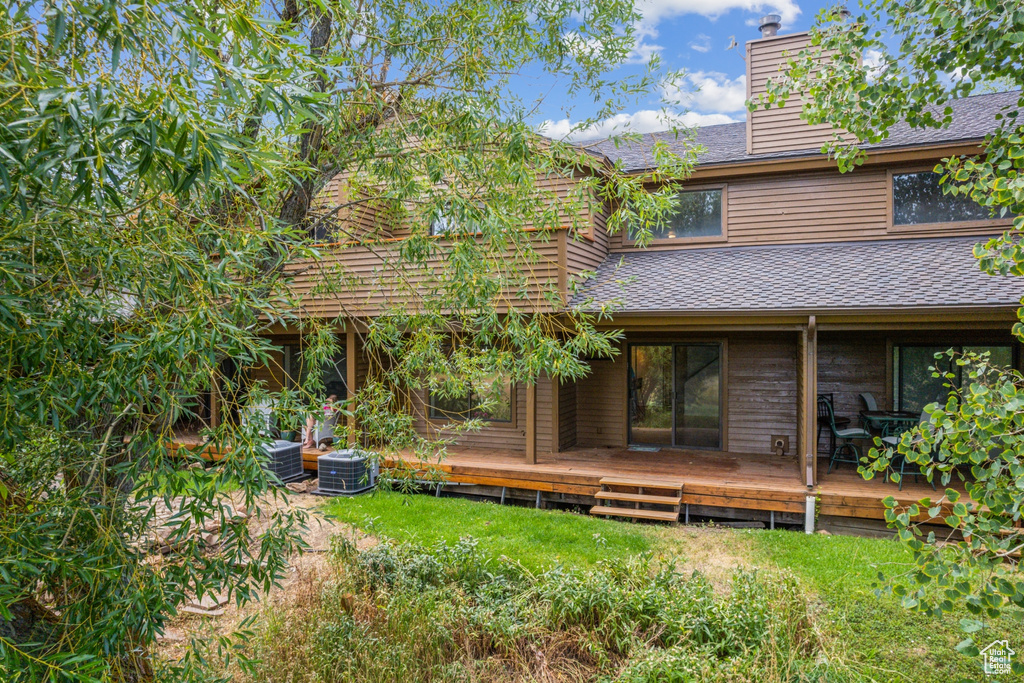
{"x": 323, "y": 432}
{"x": 846, "y": 451}
{"x": 899, "y": 460}
{"x": 841, "y": 422}
{"x": 870, "y": 404}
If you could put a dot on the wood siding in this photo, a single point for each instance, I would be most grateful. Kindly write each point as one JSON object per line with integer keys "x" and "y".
{"x": 762, "y": 386}
{"x": 848, "y": 365}
{"x": 511, "y": 437}
{"x": 779, "y": 129}
{"x": 363, "y": 280}
{"x": 601, "y": 404}
{"x": 818, "y": 206}
{"x": 567, "y": 398}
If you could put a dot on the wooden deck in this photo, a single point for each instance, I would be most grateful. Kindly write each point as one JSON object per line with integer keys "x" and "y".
{"x": 719, "y": 480}
{"x": 725, "y": 480}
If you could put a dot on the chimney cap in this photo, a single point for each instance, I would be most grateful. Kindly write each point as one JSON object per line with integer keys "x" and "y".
{"x": 770, "y": 25}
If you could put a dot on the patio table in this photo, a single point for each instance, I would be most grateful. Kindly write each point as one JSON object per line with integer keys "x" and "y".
{"x": 889, "y": 422}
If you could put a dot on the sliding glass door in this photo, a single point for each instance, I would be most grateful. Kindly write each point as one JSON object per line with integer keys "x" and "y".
{"x": 675, "y": 395}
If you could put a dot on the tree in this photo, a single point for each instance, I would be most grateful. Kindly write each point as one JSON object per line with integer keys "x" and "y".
{"x": 904, "y": 62}
{"x": 162, "y": 166}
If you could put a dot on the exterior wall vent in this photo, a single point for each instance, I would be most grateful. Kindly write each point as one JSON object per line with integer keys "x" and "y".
{"x": 770, "y": 25}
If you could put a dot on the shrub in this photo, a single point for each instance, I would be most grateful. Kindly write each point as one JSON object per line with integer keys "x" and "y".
{"x": 404, "y": 612}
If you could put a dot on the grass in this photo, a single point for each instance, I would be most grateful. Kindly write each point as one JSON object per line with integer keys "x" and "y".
{"x": 452, "y": 613}
{"x": 537, "y": 539}
{"x": 882, "y": 640}
{"x": 891, "y": 642}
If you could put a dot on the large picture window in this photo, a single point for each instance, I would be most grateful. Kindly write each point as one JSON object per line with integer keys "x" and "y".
{"x": 492, "y": 402}
{"x": 698, "y": 214}
{"x": 917, "y": 199}
{"x": 913, "y": 384}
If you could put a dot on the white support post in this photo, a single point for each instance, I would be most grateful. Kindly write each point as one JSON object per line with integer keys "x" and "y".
{"x": 809, "y": 516}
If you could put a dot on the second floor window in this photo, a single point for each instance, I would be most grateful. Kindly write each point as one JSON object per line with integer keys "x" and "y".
{"x": 442, "y": 222}
{"x": 698, "y": 214}
{"x": 917, "y": 199}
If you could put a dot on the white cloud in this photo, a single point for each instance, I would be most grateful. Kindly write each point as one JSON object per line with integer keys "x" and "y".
{"x": 656, "y": 10}
{"x": 642, "y": 52}
{"x": 702, "y": 43}
{"x": 644, "y": 121}
{"x": 712, "y": 92}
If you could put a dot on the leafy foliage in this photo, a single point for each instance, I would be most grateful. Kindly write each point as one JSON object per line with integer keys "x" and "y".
{"x": 405, "y": 612}
{"x": 902, "y": 63}
{"x": 161, "y": 169}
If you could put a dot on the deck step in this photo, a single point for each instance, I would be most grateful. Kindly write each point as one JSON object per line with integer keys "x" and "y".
{"x": 638, "y": 498}
{"x": 635, "y": 514}
{"x": 639, "y": 482}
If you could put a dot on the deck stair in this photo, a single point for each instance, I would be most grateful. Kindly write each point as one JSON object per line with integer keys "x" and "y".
{"x": 624, "y": 496}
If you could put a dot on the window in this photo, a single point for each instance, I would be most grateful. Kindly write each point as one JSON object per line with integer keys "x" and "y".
{"x": 913, "y": 384}
{"x": 675, "y": 395}
{"x": 917, "y": 199}
{"x": 333, "y": 371}
{"x": 497, "y": 396}
{"x": 442, "y": 223}
{"x": 698, "y": 214}
{"x": 448, "y": 220}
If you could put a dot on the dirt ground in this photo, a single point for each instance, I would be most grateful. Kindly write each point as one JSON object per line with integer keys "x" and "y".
{"x": 716, "y": 552}
{"x": 302, "y": 572}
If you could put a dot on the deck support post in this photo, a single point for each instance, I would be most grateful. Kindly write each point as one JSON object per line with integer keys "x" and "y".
{"x": 502, "y": 496}
{"x": 350, "y": 380}
{"x": 437, "y": 491}
{"x": 809, "y": 516}
{"x": 538, "y": 500}
{"x": 687, "y": 513}
{"x": 772, "y": 519}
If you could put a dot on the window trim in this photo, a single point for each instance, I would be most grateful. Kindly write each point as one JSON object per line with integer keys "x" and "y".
{"x": 511, "y": 423}
{"x": 628, "y": 241}
{"x": 890, "y": 206}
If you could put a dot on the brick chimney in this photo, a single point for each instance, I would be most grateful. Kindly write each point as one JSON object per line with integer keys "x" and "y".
{"x": 777, "y": 129}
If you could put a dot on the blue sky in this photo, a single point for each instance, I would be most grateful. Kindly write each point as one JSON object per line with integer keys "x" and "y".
{"x": 692, "y": 35}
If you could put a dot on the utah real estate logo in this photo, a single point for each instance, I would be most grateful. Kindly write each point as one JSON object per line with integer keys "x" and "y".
{"x": 998, "y": 656}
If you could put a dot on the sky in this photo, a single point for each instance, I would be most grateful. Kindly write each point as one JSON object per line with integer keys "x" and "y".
{"x": 689, "y": 35}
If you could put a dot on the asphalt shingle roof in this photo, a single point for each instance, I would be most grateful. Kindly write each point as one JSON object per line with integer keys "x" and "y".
{"x": 891, "y": 274}
{"x": 973, "y": 119}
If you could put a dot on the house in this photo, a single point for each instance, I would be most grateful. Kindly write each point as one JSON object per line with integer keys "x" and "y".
{"x": 779, "y": 281}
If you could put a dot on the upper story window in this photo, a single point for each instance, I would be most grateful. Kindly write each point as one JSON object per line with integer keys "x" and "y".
{"x": 447, "y": 220}
{"x": 917, "y": 199}
{"x": 698, "y": 215}
{"x": 442, "y": 222}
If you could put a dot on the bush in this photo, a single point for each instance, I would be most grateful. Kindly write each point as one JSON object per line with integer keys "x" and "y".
{"x": 401, "y": 612}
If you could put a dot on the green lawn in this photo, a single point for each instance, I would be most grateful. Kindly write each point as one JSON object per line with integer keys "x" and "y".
{"x": 536, "y": 538}
{"x": 891, "y": 643}
{"x": 880, "y": 639}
